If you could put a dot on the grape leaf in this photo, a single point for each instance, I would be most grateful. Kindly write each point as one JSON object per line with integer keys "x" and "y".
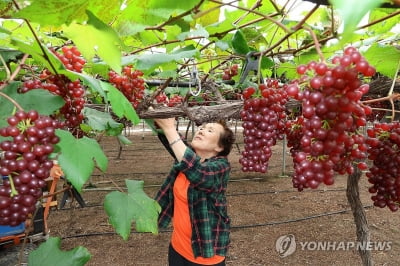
{"x": 95, "y": 84}
{"x": 31, "y": 100}
{"x": 351, "y": 12}
{"x": 384, "y": 58}
{"x": 200, "y": 31}
{"x": 239, "y": 43}
{"x": 120, "y": 105}
{"x": 287, "y": 69}
{"x": 123, "y": 139}
{"x": 101, "y": 121}
{"x": 49, "y": 253}
{"x": 35, "y": 50}
{"x": 151, "y": 61}
{"x": 209, "y": 13}
{"x": 59, "y": 12}
{"x": 99, "y": 38}
{"x": 123, "y": 208}
{"x": 8, "y": 55}
{"x": 78, "y": 157}
{"x": 54, "y": 12}
{"x": 151, "y": 12}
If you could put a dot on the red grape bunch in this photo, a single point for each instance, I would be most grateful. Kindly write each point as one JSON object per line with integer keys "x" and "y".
{"x": 71, "y": 91}
{"x": 263, "y": 124}
{"x": 230, "y": 72}
{"x": 384, "y": 174}
{"x": 331, "y": 118}
{"x": 25, "y": 163}
{"x": 129, "y": 83}
{"x": 71, "y": 58}
{"x": 174, "y": 100}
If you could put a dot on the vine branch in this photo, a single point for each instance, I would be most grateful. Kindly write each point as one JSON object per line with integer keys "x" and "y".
{"x": 317, "y": 45}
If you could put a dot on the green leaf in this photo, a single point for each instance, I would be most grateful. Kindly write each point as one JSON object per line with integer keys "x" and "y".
{"x": 151, "y": 124}
{"x": 101, "y": 121}
{"x": 124, "y": 140}
{"x": 123, "y": 208}
{"x": 287, "y": 69}
{"x": 49, "y": 60}
{"x": 59, "y": 12}
{"x": 351, "y": 12}
{"x": 199, "y": 32}
{"x": 99, "y": 38}
{"x": 151, "y": 12}
{"x": 384, "y": 26}
{"x": 49, "y": 253}
{"x": 9, "y": 55}
{"x": 239, "y": 43}
{"x": 223, "y": 45}
{"x": 96, "y": 84}
{"x": 151, "y": 61}
{"x": 32, "y": 100}
{"x": 54, "y": 12}
{"x": 78, "y": 157}
{"x": 208, "y": 14}
{"x": 385, "y": 58}
{"x": 266, "y": 62}
{"x": 120, "y": 105}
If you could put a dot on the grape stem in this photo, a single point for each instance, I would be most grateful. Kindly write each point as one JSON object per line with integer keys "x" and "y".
{"x": 316, "y": 43}
{"x": 392, "y": 97}
{"x": 14, "y": 192}
{"x": 11, "y": 100}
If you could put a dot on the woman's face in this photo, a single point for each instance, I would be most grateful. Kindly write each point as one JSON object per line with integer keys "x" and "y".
{"x": 205, "y": 140}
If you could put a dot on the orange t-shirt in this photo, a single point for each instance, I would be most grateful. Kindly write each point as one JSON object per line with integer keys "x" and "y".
{"x": 182, "y": 234}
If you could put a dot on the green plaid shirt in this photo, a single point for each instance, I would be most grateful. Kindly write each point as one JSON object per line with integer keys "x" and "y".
{"x": 206, "y": 200}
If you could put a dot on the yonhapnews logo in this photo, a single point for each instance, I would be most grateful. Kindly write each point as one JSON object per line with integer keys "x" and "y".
{"x": 286, "y": 245}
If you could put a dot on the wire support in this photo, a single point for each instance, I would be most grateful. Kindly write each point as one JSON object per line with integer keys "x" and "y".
{"x": 245, "y": 226}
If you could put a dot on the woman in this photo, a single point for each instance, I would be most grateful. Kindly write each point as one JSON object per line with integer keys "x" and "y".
{"x": 194, "y": 194}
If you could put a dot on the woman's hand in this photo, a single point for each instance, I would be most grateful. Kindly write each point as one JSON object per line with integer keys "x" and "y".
{"x": 165, "y": 123}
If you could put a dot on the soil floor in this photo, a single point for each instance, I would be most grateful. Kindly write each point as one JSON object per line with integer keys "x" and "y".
{"x": 263, "y": 208}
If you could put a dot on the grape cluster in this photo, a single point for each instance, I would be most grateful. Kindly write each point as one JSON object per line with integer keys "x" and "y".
{"x": 383, "y": 150}
{"x": 129, "y": 83}
{"x": 72, "y": 92}
{"x": 162, "y": 98}
{"x": 263, "y": 124}
{"x": 230, "y": 72}
{"x": 25, "y": 163}
{"x": 71, "y": 58}
{"x": 174, "y": 100}
{"x": 331, "y": 118}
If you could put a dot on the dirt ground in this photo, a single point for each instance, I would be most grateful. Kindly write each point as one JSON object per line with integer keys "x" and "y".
{"x": 262, "y": 207}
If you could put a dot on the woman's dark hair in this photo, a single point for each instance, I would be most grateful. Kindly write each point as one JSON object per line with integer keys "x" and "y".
{"x": 226, "y": 139}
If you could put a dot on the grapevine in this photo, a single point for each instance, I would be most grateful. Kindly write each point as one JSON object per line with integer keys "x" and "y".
{"x": 25, "y": 164}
